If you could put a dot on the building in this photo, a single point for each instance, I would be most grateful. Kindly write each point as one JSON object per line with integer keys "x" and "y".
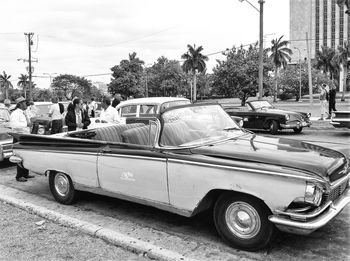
{"x": 323, "y": 20}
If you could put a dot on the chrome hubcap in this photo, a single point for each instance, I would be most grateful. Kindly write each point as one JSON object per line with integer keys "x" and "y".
{"x": 242, "y": 220}
{"x": 61, "y": 184}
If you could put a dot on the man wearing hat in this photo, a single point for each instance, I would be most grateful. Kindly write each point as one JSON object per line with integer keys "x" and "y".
{"x": 18, "y": 120}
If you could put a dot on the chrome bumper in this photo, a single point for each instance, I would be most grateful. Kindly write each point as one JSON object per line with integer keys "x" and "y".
{"x": 307, "y": 227}
{"x": 293, "y": 125}
{"x": 5, "y": 152}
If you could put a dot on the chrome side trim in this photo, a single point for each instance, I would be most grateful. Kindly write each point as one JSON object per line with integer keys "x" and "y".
{"x": 306, "y": 227}
{"x": 249, "y": 170}
{"x": 134, "y": 157}
{"x": 156, "y": 204}
{"x": 64, "y": 152}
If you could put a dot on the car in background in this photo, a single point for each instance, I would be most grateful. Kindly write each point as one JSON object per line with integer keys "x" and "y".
{"x": 263, "y": 115}
{"x": 341, "y": 119}
{"x": 141, "y": 108}
{"x": 194, "y": 158}
{"x": 6, "y": 141}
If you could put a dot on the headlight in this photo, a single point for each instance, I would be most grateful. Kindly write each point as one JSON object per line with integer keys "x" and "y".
{"x": 41, "y": 131}
{"x": 313, "y": 194}
{"x": 287, "y": 117}
{"x": 308, "y": 114}
{"x": 240, "y": 123}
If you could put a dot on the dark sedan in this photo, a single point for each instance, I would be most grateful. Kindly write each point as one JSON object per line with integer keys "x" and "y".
{"x": 263, "y": 115}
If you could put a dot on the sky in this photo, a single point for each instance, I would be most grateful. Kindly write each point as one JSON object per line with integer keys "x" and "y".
{"x": 88, "y": 37}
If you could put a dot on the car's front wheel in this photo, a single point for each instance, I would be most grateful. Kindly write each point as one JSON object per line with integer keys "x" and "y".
{"x": 62, "y": 188}
{"x": 273, "y": 127}
{"x": 243, "y": 222}
{"x": 298, "y": 130}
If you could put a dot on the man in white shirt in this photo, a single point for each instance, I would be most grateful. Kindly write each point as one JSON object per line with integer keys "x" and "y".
{"x": 19, "y": 122}
{"x": 18, "y": 118}
{"x": 108, "y": 113}
{"x": 57, "y": 117}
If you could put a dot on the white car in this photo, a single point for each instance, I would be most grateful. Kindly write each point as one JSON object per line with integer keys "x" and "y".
{"x": 148, "y": 107}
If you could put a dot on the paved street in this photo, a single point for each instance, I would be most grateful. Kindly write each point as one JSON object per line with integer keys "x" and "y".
{"x": 193, "y": 237}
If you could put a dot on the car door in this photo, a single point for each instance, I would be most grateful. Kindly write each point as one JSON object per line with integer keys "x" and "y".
{"x": 135, "y": 171}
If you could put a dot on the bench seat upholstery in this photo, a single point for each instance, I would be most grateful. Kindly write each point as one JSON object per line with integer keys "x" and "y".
{"x": 141, "y": 135}
{"x": 177, "y": 133}
{"x": 114, "y": 133}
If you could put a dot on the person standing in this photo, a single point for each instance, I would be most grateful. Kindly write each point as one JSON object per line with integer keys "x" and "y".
{"x": 5, "y": 110}
{"x": 56, "y": 114}
{"x": 19, "y": 122}
{"x": 92, "y": 108}
{"x": 108, "y": 113}
{"x": 323, "y": 101}
{"x": 76, "y": 117}
{"x": 331, "y": 99}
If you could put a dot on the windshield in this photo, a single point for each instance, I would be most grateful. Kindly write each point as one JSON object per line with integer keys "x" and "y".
{"x": 197, "y": 125}
{"x": 261, "y": 104}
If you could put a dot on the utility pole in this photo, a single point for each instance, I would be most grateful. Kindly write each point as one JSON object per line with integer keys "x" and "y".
{"x": 30, "y": 43}
{"x": 261, "y": 48}
{"x": 309, "y": 68}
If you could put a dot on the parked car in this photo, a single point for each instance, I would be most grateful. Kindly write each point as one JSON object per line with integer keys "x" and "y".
{"x": 6, "y": 141}
{"x": 141, "y": 108}
{"x": 193, "y": 158}
{"x": 262, "y": 115}
{"x": 341, "y": 119}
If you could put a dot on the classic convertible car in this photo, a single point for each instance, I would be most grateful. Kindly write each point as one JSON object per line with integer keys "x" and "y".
{"x": 262, "y": 115}
{"x": 192, "y": 158}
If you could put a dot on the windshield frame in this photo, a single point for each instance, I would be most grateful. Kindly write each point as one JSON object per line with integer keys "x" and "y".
{"x": 239, "y": 131}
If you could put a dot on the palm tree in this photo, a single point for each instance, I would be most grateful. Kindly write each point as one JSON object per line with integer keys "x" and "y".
{"x": 325, "y": 61}
{"x": 194, "y": 62}
{"x": 341, "y": 58}
{"x": 280, "y": 56}
{"x": 23, "y": 82}
{"x": 5, "y": 83}
{"x": 344, "y": 2}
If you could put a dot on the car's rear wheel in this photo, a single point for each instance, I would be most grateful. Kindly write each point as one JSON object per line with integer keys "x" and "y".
{"x": 62, "y": 188}
{"x": 243, "y": 222}
{"x": 273, "y": 127}
{"x": 298, "y": 130}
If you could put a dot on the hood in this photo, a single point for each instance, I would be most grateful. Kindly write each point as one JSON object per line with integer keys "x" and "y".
{"x": 278, "y": 151}
{"x": 283, "y": 112}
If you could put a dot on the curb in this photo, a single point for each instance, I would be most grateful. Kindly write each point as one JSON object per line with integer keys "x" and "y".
{"x": 129, "y": 243}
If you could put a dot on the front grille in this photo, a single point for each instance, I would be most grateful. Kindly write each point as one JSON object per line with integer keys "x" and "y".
{"x": 7, "y": 147}
{"x": 335, "y": 192}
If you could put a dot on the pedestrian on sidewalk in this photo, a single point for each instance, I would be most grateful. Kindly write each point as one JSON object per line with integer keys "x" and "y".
{"x": 331, "y": 99}
{"x": 19, "y": 121}
{"x": 56, "y": 113}
{"x": 323, "y": 101}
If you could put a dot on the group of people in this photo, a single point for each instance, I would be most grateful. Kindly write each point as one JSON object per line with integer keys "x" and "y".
{"x": 327, "y": 100}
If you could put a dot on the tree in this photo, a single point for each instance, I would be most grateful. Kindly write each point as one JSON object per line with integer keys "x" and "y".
{"x": 69, "y": 86}
{"x": 346, "y": 3}
{"x": 237, "y": 76}
{"x": 280, "y": 56}
{"x": 127, "y": 77}
{"x": 41, "y": 94}
{"x": 194, "y": 62}
{"x": 166, "y": 78}
{"x": 341, "y": 58}
{"x": 289, "y": 84}
{"x": 325, "y": 61}
{"x": 5, "y": 83}
{"x": 23, "y": 83}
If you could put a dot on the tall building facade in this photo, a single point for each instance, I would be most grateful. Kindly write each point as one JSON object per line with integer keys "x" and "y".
{"x": 324, "y": 22}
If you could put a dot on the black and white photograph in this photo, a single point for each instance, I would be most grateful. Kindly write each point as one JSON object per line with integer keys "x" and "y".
{"x": 175, "y": 130}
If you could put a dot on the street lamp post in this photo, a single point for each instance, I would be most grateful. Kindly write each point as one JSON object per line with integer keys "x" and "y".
{"x": 261, "y": 43}
{"x": 50, "y": 76}
{"x": 299, "y": 73}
